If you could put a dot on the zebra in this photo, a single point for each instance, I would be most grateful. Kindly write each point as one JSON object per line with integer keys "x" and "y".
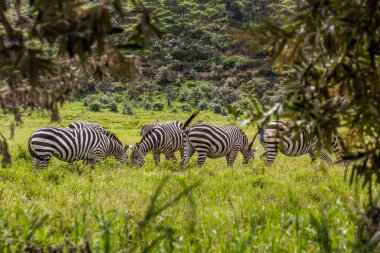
{"x": 164, "y": 138}
{"x": 74, "y": 144}
{"x": 88, "y": 125}
{"x": 215, "y": 141}
{"x": 167, "y": 127}
{"x": 278, "y": 136}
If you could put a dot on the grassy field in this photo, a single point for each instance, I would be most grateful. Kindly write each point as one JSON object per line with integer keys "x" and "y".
{"x": 293, "y": 206}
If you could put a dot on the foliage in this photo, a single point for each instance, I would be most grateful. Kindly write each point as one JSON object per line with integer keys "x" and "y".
{"x": 334, "y": 47}
{"x": 94, "y": 106}
{"x": 158, "y": 106}
{"x": 113, "y": 107}
{"x": 127, "y": 107}
{"x": 186, "y": 108}
{"x": 46, "y": 46}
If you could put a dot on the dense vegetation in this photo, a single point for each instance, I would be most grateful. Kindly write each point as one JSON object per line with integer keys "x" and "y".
{"x": 198, "y": 63}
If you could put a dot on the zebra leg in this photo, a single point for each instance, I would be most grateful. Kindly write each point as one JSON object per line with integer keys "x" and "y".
{"x": 325, "y": 157}
{"x": 263, "y": 154}
{"x": 270, "y": 154}
{"x": 232, "y": 157}
{"x": 156, "y": 157}
{"x": 202, "y": 154}
{"x": 188, "y": 152}
{"x": 170, "y": 156}
{"x": 40, "y": 163}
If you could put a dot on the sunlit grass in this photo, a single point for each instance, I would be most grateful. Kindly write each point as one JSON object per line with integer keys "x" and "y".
{"x": 243, "y": 208}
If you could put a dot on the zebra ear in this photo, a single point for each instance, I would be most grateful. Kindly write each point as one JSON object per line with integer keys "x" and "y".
{"x": 127, "y": 147}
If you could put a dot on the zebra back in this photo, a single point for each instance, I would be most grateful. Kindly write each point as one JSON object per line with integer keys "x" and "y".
{"x": 87, "y": 125}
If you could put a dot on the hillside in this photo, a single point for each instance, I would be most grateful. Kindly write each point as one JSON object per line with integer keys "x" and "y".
{"x": 199, "y": 61}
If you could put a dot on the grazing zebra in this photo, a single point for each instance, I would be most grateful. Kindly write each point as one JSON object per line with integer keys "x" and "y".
{"x": 88, "y": 125}
{"x": 74, "y": 144}
{"x": 174, "y": 127}
{"x": 278, "y": 136}
{"x": 217, "y": 141}
{"x": 164, "y": 138}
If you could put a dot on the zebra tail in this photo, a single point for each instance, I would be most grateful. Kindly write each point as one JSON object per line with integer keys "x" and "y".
{"x": 195, "y": 113}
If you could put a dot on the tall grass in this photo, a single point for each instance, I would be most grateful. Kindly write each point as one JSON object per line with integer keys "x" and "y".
{"x": 293, "y": 206}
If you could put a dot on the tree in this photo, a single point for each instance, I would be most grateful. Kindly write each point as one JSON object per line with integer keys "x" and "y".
{"x": 334, "y": 49}
{"x": 47, "y": 45}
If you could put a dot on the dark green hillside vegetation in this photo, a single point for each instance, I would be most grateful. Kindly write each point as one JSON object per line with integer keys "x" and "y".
{"x": 198, "y": 62}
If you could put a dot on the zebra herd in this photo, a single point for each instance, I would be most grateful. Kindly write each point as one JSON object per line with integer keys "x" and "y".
{"x": 91, "y": 142}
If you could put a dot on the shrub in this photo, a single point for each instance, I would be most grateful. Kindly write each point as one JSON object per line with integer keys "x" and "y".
{"x": 113, "y": 107}
{"x": 226, "y": 95}
{"x": 203, "y": 105}
{"x": 147, "y": 104}
{"x": 158, "y": 106}
{"x": 127, "y": 107}
{"x": 105, "y": 99}
{"x": 165, "y": 76}
{"x": 217, "y": 108}
{"x": 174, "y": 109}
{"x": 89, "y": 99}
{"x": 94, "y": 106}
{"x": 224, "y": 112}
{"x": 186, "y": 108}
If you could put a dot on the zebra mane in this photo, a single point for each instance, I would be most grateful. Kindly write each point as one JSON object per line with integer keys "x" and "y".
{"x": 113, "y": 137}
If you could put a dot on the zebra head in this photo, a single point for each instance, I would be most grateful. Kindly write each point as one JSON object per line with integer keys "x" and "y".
{"x": 248, "y": 152}
{"x": 117, "y": 149}
{"x": 137, "y": 156}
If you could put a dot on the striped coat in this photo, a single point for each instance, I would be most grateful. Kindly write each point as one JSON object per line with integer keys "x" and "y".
{"x": 74, "y": 144}
{"x": 278, "y": 136}
{"x": 217, "y": 141}
{"x": 87, "y": 125}
{"x": 165, "y": 138}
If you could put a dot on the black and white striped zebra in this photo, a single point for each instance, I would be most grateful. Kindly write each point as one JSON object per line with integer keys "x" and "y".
{"x": 87, "y": 125}
{"x": 74, "y": 144}
{"x": 217, "y": 141}
{"x": 278, "y": 136}
{"x": 166, "y": 138}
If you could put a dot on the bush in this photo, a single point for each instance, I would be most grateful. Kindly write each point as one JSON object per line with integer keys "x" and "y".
{"x": 203, "y": 105}
{"x": 147, "y": 104}
{"x": 113, "y": 107}
{"x": 89, "y": 99}
{"x": 174, "y": 109}
{"x": 216, "y": 108}
{"x": 224, "y": 112}
{"x": 105, "y": 99}
{"x": 127, "y": 107}
{"x": 158, "y": 106}
{"x": 186, "y": 108}
{"x": 94, "y": 106}
{"x": 165, "y": 76}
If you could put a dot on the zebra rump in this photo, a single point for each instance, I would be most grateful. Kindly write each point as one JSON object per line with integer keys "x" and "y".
{"x": 74, "y": 144}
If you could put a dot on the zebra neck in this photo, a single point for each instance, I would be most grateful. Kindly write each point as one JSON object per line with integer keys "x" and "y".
{"x": 145, "y": 146}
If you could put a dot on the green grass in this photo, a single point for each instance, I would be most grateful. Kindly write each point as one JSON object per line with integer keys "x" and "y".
{"x": 293, "y": 206}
